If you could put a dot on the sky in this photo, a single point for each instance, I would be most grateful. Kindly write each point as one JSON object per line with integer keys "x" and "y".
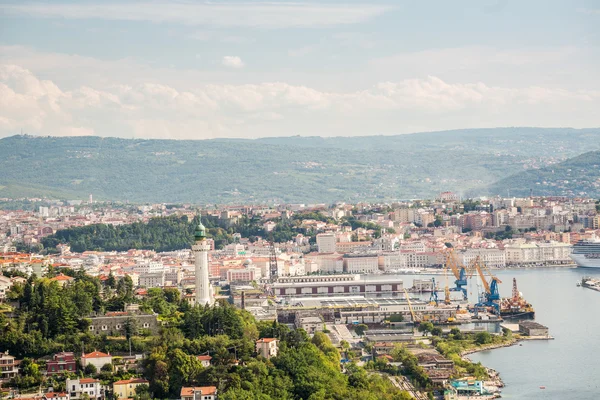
{"x": 232, "y": 69}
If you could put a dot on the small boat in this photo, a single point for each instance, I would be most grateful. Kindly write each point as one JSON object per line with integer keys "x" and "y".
{"x": 542, "y": 387}
{"x": 578, "y": 283}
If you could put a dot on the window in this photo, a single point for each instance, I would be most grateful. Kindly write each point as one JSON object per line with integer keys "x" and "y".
{"x": 104, "y": 327}
{"x": 146, "y": 325}
{"x": 91, "y": 327}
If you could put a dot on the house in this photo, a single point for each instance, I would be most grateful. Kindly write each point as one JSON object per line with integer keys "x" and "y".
{"x": 5, "y": 285}
{"x": 205, "y": 360}
{"x": 77, "y": 388}
{"x": 61, "y": 362}
{"x": 310, "y": 324}
{"x": 62, "y": 279}
{"x": 267, "y": 347}
{"x": 199, "y": 393}
{"x": 126, "y": 388}
{"x": 56, "y": 396}
{"x": 97, "y": 359}
{"x": 9, "y": 366}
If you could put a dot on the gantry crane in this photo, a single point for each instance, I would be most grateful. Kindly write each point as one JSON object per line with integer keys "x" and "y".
{"x": 433, "y": 299}
{"x": 491, "y": 295}
{"x": 459, "y": 271}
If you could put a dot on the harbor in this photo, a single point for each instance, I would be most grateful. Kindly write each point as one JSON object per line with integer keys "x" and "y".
{"x": 553, "y": 364}
{"x": 485, "y": 309}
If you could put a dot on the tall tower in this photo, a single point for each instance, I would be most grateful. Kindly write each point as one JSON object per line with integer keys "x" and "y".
{"x": 200, "y": 249}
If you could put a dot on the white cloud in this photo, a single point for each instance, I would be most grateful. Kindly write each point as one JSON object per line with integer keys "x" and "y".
{"x": 273, "y": 15}
{"x": 156, "y": 110}
{"x": 232, "y": 62}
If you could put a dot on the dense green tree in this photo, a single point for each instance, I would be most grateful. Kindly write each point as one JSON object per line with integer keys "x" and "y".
{"x": 360, "y": 329}
{"x": 483, "y": 338}
{"x": 425, "y": 327}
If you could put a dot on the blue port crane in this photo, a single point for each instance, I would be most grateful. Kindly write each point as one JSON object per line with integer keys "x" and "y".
{"x": 491, "y": 296}
{"x": 459, "y": 271}
{"x": 433, "y": 299}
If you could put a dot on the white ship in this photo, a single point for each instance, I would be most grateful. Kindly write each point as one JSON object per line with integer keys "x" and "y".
{"x": 586, "y": 253}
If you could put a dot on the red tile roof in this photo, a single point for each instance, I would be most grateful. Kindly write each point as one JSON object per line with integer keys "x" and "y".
{"x": 207, "y": 390}
{"x": 132, "y": 380}
{"x": 53, "y": 395}
{"x": 88, "y": 380}
{"x": 204, "y": 358}
{"x": 95, "y": 354}
{"x": 61, "y": 277}
{"x": 265, "y": 340}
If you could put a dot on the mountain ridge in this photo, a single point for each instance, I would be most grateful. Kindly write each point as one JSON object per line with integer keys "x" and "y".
{"x": 284, "y": 169}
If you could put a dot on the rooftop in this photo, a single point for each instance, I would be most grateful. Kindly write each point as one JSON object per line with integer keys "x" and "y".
{"x": 189, "y": 391}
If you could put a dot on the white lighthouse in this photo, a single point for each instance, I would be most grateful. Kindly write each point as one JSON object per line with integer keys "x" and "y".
{"x": 200, "y": 249}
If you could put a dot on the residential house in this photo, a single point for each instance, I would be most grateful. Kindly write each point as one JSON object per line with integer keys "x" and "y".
{"x": 267, "y": 347}
{"x": 97, "y": 359}
{"x": 199, "y": 393}
{"x": 77, "y": 388}
{"x": 125, "y": 389}
{"x": 62, "y": 279}
{"x": 205, "y": 360}
{"x": 56, "y": 396}
{"x": 9, "y": 366}
{"x": 61, "y": 362}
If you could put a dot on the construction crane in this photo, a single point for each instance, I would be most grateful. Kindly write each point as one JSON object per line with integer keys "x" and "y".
{"x": 433, "y": 299}
{"x": 447, "y": 295}
{"x": 491, "y": 294}
{"x": 412, "y": 312}
{"x": 459, "y": 271}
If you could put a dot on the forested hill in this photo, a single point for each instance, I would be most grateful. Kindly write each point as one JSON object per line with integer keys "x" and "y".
{"x": 175, "y": 233}
{"x": 290, "y": 169}
{"x": 578, "y": 176}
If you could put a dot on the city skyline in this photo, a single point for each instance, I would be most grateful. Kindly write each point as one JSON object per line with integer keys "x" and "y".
{"x": 191, "y": 70}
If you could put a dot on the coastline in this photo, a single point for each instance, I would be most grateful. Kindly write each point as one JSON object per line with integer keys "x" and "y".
{"x": 495, "y": 382}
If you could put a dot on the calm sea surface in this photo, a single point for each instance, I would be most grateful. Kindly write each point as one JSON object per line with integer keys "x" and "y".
{"x": 569, "y": 366}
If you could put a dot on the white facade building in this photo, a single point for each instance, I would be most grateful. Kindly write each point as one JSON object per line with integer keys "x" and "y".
{"x": 326, "y": 242}
{"x": 493, "y": 258}
{"x": 361, "y": 264}
{"x": 77, "y": 388}
{"x": 546, "y": 252}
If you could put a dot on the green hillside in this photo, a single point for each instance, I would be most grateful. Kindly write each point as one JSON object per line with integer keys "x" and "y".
{"x": 290, "y": 169}
{"x": 578, "y": 176}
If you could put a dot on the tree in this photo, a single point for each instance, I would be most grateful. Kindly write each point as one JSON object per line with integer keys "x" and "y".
{"x": 90, "y": 369}
{"x": 142, "y": 392}
{"x": 483, "y": 338}
{"x": 172, "y": 295}
{"x": 130, "y": 327}
{"x": 425, "y": 327}
{"x": 436, "y": 331}
{"x": 360, "y": 329}
{"x": 456, "y": 333}
{"x": 107, "y": 368}
{"x": 111, "y": 282}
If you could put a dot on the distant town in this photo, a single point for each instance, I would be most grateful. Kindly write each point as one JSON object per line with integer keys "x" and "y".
{"x": 115, "y": 300}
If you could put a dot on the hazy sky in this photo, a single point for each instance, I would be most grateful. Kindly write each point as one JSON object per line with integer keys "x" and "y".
{"x": 192, "y": 69}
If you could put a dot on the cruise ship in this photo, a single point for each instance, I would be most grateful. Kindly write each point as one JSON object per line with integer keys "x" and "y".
{"x": 586, "y": 253}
